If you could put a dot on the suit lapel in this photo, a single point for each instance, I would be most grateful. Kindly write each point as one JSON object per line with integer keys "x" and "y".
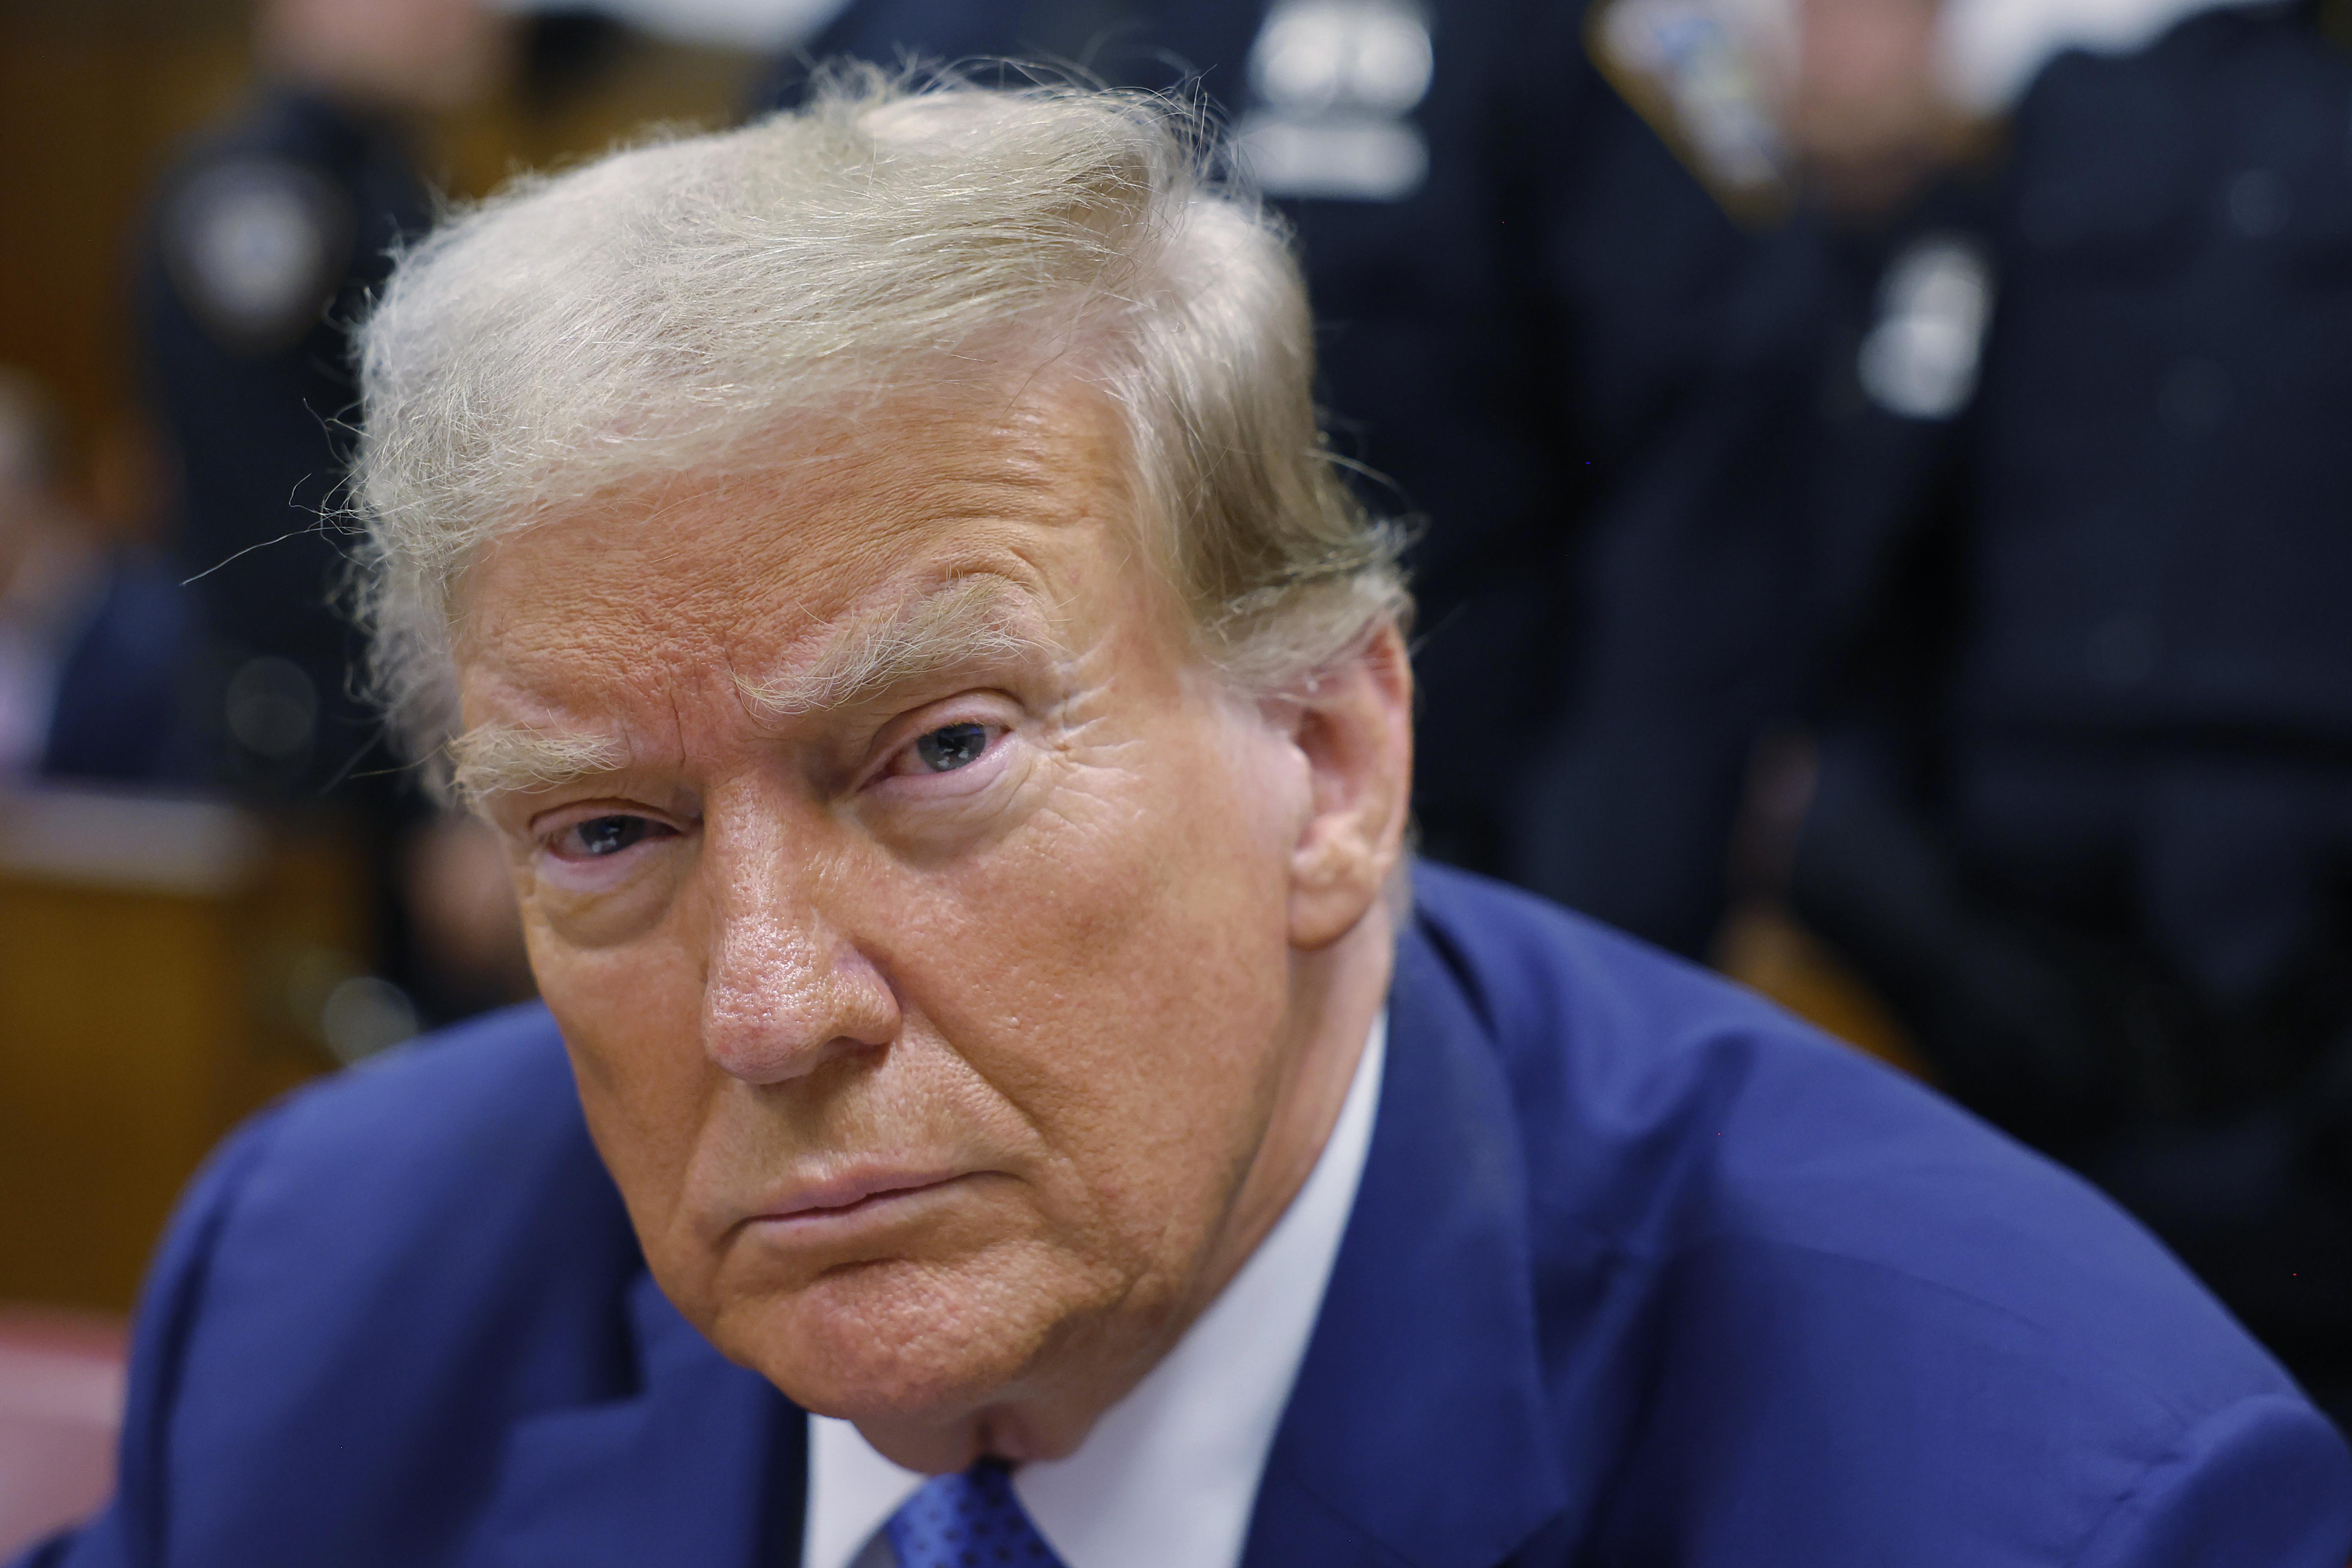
{"x": 706, "y": 1464}
{"x": 1417, "y": 1433}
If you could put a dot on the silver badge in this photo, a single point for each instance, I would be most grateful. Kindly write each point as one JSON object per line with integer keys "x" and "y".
{"x": 1710, "y": 77}
{"x": 1333, "y": 83}
{"x": 1920, "y": 359}
{"x": 257, "y": 246}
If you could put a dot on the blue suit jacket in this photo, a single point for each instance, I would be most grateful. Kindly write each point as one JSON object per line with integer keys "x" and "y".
{"x": 1640, "y": 1272}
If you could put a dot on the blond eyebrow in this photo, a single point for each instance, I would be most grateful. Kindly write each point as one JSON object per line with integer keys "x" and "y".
{"x": 971, "y": 621}
{"x": 495, "y": 759}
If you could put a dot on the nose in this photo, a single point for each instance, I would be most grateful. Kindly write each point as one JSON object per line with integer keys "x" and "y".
{"x": 787, "y": 989}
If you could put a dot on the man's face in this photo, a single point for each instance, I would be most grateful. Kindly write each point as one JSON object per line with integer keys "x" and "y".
{"x": 413, "y": 56}
{"x": 924, "y": 938}
{"x": 1865, "y": 114}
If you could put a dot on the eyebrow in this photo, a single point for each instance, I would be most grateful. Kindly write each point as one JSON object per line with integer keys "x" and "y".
{"x": 497, "y": 758}
{"x": 971, "y": 621}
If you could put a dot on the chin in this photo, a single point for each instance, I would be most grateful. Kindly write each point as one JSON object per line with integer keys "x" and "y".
{"x": 897, "y": 1339}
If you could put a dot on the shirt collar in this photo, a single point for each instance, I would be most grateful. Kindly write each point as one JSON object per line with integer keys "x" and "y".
{"x": 1170, "y": 1473}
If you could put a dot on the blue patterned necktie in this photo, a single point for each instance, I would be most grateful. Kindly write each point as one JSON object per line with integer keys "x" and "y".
{"x": 968, "y": 1521}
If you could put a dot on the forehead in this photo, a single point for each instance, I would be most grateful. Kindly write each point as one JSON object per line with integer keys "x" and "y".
{"x": 845, "y": 520}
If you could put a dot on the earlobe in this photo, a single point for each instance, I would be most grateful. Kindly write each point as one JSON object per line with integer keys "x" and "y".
{"x": 1355, "y": 730}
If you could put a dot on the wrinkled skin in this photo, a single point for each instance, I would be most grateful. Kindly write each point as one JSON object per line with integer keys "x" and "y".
{"x": 952, "y": 1044}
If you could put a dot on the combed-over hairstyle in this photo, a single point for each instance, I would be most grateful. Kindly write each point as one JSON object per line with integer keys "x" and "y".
{"x": 670, "y": 308}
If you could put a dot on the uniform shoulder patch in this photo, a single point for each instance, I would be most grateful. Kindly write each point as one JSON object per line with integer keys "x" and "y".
{"x": 1705, "y": 74}
{"x": 256, "y": 247}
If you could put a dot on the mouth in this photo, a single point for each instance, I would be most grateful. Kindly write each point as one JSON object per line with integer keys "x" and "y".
{"x": 835, "y": 1204}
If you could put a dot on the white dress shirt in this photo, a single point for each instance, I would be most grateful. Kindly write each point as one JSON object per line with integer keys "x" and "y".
{"x": 1170, "y": 1473}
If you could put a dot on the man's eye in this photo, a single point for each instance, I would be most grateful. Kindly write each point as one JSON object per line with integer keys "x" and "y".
{"x": 952, "y": 746}
{"x": 604, "y": 836}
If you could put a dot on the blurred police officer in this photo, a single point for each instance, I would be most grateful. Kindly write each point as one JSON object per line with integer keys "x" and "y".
{"x": 2092, "y": 831}
{"x": 94, "y": 627}
{"x": 264, "y": 246}
{"x": 1554, "y": 345}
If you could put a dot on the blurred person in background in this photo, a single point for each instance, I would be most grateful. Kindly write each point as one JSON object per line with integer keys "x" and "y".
{"x": 1545, "y": 338}
{"x": 265, "y": 243}
{"x": 48, "y": 571}
{"x": 2084, "y": 809}
{"x": 92, "y": 637}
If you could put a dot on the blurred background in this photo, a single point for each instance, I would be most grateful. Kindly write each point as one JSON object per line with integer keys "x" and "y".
{"x": 1882, "y": 482}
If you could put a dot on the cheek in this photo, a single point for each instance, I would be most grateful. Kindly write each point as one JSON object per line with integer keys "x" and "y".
{"x": 1122, "y": 977}
{"x": 630, "y": 1017}
{"x": 604, "y": 904}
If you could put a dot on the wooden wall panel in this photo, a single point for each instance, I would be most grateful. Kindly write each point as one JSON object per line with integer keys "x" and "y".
{"x": 92, "y": 97}
{"x": 160, "y": 969}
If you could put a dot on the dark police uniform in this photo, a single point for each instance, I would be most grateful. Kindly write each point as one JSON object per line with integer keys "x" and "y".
{"x": 119, "y": 712}
{"x": 1563, "y": 356}
{"x": 2095, "y": 835}
{"x": 264, "y": 248}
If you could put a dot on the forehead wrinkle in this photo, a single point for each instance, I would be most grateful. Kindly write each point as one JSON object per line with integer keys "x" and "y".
{"x": 971, "y": 620}
{"x": 1019, "y": 478}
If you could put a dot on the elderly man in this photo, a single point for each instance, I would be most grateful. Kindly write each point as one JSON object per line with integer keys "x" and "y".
{"x": 1003, "y": 1096}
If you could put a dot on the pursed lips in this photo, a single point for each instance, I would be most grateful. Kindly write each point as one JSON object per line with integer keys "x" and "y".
{"x": 825, "y": 1204}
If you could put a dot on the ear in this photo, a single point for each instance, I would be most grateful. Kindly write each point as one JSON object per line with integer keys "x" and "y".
{"x": 1354, "y": 728}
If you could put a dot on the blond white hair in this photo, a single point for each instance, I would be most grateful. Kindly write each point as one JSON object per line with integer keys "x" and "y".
{"x": 663, "y": 309}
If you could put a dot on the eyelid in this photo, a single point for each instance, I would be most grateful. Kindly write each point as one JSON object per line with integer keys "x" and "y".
{"x": 559, "y": 841}
{"x": 900, "y": 734}
{"x": 543, "y": 827}
{"x": 915, "y": 769}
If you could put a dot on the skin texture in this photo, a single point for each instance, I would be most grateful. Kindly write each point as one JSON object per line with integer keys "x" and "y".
{"x": 1085, "y": 1007}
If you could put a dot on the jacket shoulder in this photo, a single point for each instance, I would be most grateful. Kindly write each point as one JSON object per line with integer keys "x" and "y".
{"x": 1667, "y": 1110}
{"x": 1792, "y": 1278}
{"x": 417, "y": 1182}
{"x": 370, "y": 1284}
{"x": 427, "y": 1123}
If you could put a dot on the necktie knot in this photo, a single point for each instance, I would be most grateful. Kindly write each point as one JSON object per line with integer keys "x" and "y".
{"x": 970, "y": 1519}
